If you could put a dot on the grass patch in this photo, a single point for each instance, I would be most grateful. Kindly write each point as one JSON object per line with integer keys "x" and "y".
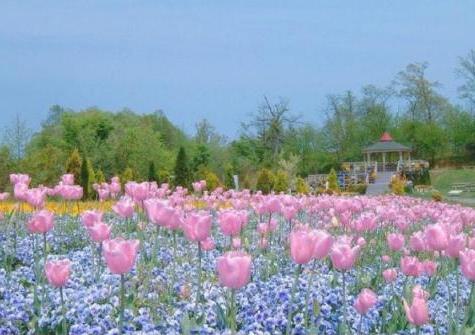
{"x": 442, "y": 180}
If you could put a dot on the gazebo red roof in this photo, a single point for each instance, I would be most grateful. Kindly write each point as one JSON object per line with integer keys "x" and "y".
{"x": 386, "y": 137}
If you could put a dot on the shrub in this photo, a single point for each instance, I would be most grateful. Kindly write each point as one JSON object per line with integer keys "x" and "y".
{"x": 333, "y": 181}
{"x": 281, "y": 182}
{"x": 358, "y": 188}
{"x": 398, "y": 185}
{"x": 212, "y": 180}
{"x": 265, "y": 181}
{"x": 301, "y": 186}
{"x": 437, "y": 196}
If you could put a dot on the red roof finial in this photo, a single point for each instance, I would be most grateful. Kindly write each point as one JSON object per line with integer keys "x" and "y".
{"x": 386, "y": 137}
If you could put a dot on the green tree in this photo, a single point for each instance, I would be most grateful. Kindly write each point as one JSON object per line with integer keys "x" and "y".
{"x": 229, "y": 176}
{"x": 301, "y": 186}
{"x": 466, "y": 71}
{"x": 201, "y": 158}
{"x": 333, "y": 181}
{"x": 6, "y": 167}
{"x": 152, "y": 174}
{"x": 100, "y": 178}
{"x": 265, "y": 181}
{"x": 73, "y": 165}
{"x": 127, "y": 175}
{"x": 281, "y": 181}
{"x": 85, "y": 177}
{"x": 182, "y": 170}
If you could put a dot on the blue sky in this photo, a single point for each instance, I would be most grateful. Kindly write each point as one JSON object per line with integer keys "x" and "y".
{"x": 216, "y": 59}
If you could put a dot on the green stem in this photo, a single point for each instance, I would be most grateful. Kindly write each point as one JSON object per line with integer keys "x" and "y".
{"x": 14, "y": 237}
{"x": 449, "y": 309}
{"x": 233, "y": 322}
{"x": 307, "y": 295}
{"x": 360, "y": 325}
{"x": 122, "y": 304}
{"x": 468, "y": 307}
{"x": 199, "y": 272}
{"x": 344, "y": 302}
{"x": 292, "y": 295}
{"x": 63, "y": 311}
{"x": 44, "y": 248}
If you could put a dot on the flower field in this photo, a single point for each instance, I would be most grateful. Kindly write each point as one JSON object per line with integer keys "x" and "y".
{"x": 148, "y": 259}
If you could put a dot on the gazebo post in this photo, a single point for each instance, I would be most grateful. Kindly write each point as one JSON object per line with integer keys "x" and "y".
{"x": 384, "y": 161}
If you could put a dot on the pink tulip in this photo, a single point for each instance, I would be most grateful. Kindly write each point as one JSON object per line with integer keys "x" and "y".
{"x": 361, "y": 242}
{"x": 115, "y": 187}
{"x": 411, "y": 266}
{"x": 230, "y": 222}
{"x": 20, "y": 191}
{"x": 390, "y": 275}
{"x": 36, "y": 197}
{"x": 430, "y": 267}
{"x": 289, "y": 212}
{"x": 455, "y": 245}
{"x": 20, "y": 179}
{"x": 302, "y": 245}
{"x": 343, "y": 256}
{"x": 103, "y": 193}
{"x": 234, "y": 269}
{"x": 99, "y": 232}
{"x": 208, "y": 244}
{"x": 57, "y": 272}
{"x": 386, "y": 259}
{"x": 162, "y": 214}
{"x": 137, "y": 191}
{"x": 263, "y": 243}
{"x": 417, "y": 242}
{"x": 67, "y": 179}
{"x": 89, "y": 218}
{"x": 272, "y": 205}
{"x": 124, "y": 208}
{"x": 467, "y": 263}
{"x": 236, "y": 243}
{"x": 197, "y": 226}
{"x": 323, "y": 244}
{"x": 418, "y": 312}
{"x": 4, "y": 196}
{"x": 436, "y": 237}
{"x": 41, "y": 222}
{"x": 120, "y": 254}
{"x": 365, "y": 300}
{"x": 395, "y": 241}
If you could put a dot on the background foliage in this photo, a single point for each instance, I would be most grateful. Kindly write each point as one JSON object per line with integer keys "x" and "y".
{"x": 274, "y": 146}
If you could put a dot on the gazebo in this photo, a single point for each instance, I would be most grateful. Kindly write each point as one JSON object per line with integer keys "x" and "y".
{"x": 386, "y": 147}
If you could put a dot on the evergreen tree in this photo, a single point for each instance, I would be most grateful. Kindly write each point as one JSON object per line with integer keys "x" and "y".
{"x": 228, "y": 177}
{"x": 182, "y": 171}
{"x": 84, "y": 177}
{"x": 127, "y": 175}
{"x": 73, "y": 165}
{"x": 152, "y": 173}
{"x": 99, "y": 177}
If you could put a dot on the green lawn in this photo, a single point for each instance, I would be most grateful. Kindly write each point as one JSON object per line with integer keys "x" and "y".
{"x": 443, "y": 179}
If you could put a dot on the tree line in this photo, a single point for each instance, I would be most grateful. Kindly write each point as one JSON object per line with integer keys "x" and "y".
{"x": 274, "y": 144}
